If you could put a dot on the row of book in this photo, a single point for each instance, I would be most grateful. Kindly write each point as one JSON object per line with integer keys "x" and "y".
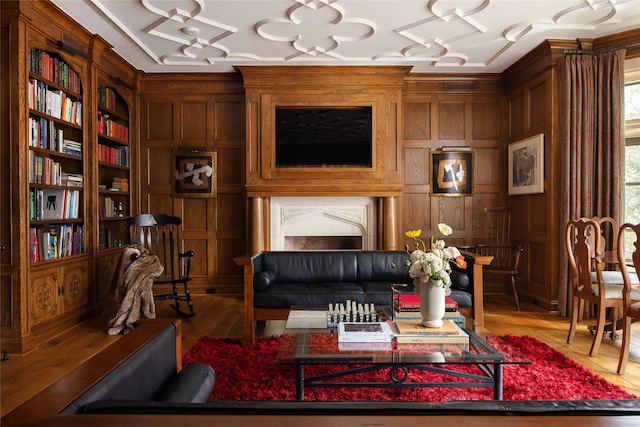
{"x": 54, "y": 69}
{"x": 112, "y": 128}
{"x": 107, "y": 97}
{"x": 44, "y": 170}
{"x": 113, "y": 155}
{"x": 53, "y": 203}
{"x": 54, "y": 102}
{"x": 109, "y": 208}
{"x": 54, "y": 242}
{"x": 43, "y": 133}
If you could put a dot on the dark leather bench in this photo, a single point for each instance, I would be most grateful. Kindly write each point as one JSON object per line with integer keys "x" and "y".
{"x": 143, "y": 367}
{"x": 69, "y": 401}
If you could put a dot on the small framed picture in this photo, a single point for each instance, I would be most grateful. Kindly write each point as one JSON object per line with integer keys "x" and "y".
{"x": 194, "y": 174}
{"x": 526, "y": 166}
{"x": 451, "y": 173}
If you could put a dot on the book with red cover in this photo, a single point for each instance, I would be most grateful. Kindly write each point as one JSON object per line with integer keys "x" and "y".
{"x": 411, "y": 301}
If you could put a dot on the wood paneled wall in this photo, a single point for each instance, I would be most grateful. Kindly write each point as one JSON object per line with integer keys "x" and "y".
{"x": 197, "y": 110}
{"x": 464, "y": 111}
{"x": 433, "y": 111}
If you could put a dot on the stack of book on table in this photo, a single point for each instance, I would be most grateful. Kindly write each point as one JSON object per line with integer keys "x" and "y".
{"x": 406, "y": 306}
{"x": 410, "y": 303}
{"x": 402, "y": 332}
{"x": 412, "y": 331}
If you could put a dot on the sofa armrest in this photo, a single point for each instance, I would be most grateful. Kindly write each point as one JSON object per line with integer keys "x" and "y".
{"x": 193, "y": 384}
{"x": 251, "y": 265}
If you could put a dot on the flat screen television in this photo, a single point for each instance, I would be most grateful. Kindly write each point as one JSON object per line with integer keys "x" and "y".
{"x": 324, "y": 137}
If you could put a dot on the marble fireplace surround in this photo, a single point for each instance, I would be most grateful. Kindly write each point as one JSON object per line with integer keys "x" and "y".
{"x": 326, "y": 217}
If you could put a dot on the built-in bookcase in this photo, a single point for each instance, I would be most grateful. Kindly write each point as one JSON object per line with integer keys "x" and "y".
{"x": 113, "y": 153}
{"x": 56, "y": 158}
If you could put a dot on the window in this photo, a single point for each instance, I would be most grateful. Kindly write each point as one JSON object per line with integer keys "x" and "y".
{"x": 631, "y": 193}
{"x": 632, "y": 154}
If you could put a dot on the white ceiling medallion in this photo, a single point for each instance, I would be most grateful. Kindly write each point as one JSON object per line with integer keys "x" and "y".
{"x": 452, "y": 25}
{"x": 200, "y": 45}
{"x": 316, "y": 28}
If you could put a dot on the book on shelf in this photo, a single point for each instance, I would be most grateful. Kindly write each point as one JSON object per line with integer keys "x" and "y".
{"x": 365, "y": 332}
{"x": 54, "y": 242}
{"x": 53, "y": 201}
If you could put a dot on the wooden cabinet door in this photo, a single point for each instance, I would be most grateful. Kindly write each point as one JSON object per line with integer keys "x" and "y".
{"x": 43, "y": 296}
{"x": 75, "y": 284}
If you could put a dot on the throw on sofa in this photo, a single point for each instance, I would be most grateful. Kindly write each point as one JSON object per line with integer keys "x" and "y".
{"x": 276, "y": 281}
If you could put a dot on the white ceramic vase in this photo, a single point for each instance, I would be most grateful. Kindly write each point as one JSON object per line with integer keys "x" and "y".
{"x": 431, "y": 302}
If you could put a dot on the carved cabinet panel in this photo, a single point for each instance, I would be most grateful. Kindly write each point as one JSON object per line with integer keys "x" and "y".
{"x": 43, "y": 296}
{"x": 57, "y": 290}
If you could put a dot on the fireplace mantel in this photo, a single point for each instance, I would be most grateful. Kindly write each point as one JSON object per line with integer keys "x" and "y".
{"x": 328, "y": 190}
{"x": 267, "y": 88}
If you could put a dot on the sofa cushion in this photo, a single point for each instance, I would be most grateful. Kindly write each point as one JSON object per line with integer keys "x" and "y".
{"x": 316, "y": 294}
{"x": 193, "y": 384}
{"x": 263, "y": 280}
{"x": 378, "y": 266}
{"x": 311, "y": 266}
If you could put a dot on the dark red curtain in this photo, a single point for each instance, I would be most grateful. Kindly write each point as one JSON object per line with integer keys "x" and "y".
{"x": 592, "y": 145}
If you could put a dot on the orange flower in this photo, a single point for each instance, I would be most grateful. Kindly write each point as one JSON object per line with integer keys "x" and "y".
{"x": 461, "y": 262}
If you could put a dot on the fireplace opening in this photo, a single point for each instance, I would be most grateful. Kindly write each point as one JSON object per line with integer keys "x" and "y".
{"x": 322, "y": 243}
{"x": 323, "y": 223}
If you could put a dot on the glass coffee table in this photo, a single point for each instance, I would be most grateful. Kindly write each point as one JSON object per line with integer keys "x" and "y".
{"x": 308, "y": 341}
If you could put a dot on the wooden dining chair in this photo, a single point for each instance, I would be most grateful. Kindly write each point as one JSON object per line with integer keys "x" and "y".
{"x": 160, "y": 234}
{"x": 608, "y": 233}
{"x": 589, "y": 282}
{"x": 630, "y": 294}
{"x": 506, "y": 257}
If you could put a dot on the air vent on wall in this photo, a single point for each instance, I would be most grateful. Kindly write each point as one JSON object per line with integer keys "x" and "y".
{"x": 458, "y": 86}
{"x": 72, "y": 46}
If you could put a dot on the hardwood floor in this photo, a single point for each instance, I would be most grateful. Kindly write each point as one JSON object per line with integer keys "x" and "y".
{"x": 22, "y": 376}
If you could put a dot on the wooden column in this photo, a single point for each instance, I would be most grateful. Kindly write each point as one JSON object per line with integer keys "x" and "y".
{"x": 389, "y": 238}
{"x": 256, "y": 225}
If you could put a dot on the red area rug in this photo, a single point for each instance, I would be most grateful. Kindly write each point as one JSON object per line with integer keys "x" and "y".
{"x": 250, "y": 373}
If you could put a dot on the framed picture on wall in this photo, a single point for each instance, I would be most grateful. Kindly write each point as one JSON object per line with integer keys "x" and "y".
{"x": 194, "y": 174}
{"x": 451, "y": 173}
{"x": 526, "y": 166}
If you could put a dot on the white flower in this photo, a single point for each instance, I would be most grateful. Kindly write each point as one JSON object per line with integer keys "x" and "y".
{"x": 444, "y": 229}
{"x": 451, "y": 252}
{"x": 439, "y": 244}
{"x": 433, "y": 265}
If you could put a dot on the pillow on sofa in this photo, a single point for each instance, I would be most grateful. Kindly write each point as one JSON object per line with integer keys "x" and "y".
{"x": 263, "y": 280}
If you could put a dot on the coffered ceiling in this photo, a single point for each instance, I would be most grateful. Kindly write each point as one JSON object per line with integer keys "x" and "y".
{"x": 443, "y": 36}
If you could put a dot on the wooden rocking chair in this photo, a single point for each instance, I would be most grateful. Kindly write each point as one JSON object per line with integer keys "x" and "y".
{"x": 160, "y": 234}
